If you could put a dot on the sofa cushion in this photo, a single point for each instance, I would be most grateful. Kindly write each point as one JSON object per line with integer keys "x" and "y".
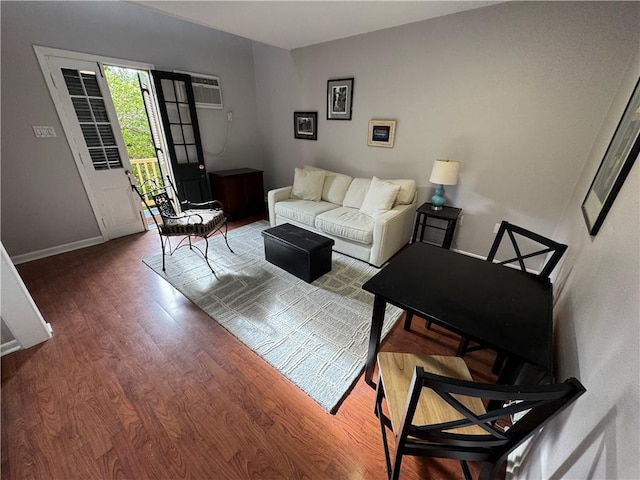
{"x": 356, "y": 192}
{"x": 380, "y": 197}
{"x": 407, "y": 191}
{"x": 347, "y": 223}
{"x": 302, "y": 211}
{"x": 307, "y": 184}
{"x": 335, "y": 185}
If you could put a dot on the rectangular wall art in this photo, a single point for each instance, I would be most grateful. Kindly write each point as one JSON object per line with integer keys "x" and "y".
{"x": 339, "y": 98}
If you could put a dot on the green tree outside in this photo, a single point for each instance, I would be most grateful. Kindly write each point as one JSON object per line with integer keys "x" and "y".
{"x": 127, "y": 99}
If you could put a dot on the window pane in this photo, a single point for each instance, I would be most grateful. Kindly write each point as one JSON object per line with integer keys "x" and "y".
{"x": 176, "y": 133}
{"x": 167, "y": 90}
{"x": 192, "y": 152}
{"x": 91, "y": 84}
{"x": 83, "y": 111}
{"x": 181, "y": 91}
{"x": 185, "y": 116}
{"x": 181, "y": 154}
{"x": 172, "y": 113}
{"x": 72, "y": 79}
{"x": 187, "y": 130}
{"x": 99, "y": 110}
{"x": 90, "y": 134}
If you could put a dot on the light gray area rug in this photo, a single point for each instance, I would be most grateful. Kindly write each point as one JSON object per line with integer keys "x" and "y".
{"x": 315, "y": 334}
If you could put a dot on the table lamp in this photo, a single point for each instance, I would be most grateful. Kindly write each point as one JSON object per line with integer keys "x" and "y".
{"x": 445, "y": 172}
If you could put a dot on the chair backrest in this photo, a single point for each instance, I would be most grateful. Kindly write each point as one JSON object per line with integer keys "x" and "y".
{"x": 155, "y": 190}
{"x": 512, "y": 414}
{"x": 549, "y": 247}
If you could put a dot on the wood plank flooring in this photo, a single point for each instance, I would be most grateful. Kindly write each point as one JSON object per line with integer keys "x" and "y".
{"x": 139, "y": 383}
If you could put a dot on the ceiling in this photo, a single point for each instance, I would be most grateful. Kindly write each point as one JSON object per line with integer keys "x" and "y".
{"x": 294, "y": 24}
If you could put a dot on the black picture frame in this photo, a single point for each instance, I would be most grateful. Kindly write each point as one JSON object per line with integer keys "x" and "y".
{"x": 615, "y": 166}
{"x": 305, "y": 125}
{"x": 339, "y": 98}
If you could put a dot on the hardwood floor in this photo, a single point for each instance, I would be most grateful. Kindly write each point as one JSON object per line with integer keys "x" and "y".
{"x": 137, "y": 382}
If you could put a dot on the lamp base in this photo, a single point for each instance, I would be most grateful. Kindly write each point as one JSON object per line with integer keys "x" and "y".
{"x": 438, "y": 200}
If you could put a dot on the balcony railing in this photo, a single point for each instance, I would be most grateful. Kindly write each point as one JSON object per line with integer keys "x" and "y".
{"x": 144, "y": 169}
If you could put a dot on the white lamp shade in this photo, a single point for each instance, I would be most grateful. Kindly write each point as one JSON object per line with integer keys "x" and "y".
{"x": 445, "y": 172}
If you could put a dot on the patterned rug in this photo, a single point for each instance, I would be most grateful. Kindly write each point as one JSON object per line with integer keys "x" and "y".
{"x": 316, "y": 335}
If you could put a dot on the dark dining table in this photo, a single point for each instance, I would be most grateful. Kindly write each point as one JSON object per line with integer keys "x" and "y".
{"x": 500, "y": 307}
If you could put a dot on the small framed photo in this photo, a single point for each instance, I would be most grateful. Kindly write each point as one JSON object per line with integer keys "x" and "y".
{"x": 305, "y": 125}
{"x": 339, "y": 98}
{"x": 381, "y": 133}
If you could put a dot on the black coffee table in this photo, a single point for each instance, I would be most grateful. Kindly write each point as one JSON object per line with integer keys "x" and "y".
{"x": 300, "y": 252}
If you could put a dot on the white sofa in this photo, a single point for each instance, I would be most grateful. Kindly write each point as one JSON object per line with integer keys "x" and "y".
{"x": 368, "y": 218}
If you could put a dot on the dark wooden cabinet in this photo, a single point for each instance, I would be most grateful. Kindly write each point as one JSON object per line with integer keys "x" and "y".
{"x": 240, "y": 190}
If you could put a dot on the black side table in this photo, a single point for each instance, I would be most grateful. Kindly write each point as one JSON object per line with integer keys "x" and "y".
{"x": 448, "y": 214}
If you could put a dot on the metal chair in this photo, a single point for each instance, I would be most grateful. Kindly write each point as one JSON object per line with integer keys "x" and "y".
{"x": 435, "y": 409}
{"x": 192, "y": 220}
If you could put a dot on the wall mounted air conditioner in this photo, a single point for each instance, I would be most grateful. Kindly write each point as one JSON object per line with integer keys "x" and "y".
{"x": 206, "y": 90}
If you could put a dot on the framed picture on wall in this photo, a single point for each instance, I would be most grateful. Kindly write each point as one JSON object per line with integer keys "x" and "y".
{"x": 616, "y": 164}
{"x": 305, "y": 125}
{"x": 339, "y": 98}
{"x": 381, "y": 133}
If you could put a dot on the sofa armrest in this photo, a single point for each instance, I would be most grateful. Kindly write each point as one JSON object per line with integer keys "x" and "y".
{"x": 275, "y": 196}
{"x": 392, "y": 231}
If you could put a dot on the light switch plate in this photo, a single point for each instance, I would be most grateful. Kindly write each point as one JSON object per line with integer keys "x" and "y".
{"x": 44, "y": 131}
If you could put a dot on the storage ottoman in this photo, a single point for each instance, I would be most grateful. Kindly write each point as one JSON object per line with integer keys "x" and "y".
{"x": 304, "y": 254}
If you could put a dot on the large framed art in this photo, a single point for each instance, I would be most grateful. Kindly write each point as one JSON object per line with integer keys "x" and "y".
{"x": 616, "y": 164}
{"x": 339, "y": 98}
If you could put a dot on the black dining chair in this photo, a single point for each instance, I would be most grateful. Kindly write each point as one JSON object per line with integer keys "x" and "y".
{"x": 435, "y": 409}
{"x": 524, "y": 244}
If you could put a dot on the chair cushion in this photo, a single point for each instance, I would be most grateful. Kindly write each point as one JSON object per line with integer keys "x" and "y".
{"x": 307, "y": 184}
{"x": 303, "y": 212}
{"x": 193, "y": 222}
{"x": 347, "y": 223}
{"x": 379, "y": 198}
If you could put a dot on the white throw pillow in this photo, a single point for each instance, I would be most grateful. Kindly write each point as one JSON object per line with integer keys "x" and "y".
{"x": 380, "y": 197}
{"x": 335, "y": 185}
{"x": 307, "y": 184}
{"x": 356, "y": 192}
{"x": 407, "y": 191}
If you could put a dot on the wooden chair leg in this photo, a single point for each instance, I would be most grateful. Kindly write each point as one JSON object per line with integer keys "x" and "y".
{"x": 407, "y": 320}
{"x": 462, "y": 347}
{"x": 498, "y": 363}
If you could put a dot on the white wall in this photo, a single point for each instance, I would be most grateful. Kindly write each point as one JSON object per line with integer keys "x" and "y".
{"x": 43, "y": 202}
{"x": 514, "y": 91}
{"x": 598, "y": 329}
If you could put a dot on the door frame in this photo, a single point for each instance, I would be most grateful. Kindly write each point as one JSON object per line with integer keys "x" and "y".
{"x": 42, "y": 53}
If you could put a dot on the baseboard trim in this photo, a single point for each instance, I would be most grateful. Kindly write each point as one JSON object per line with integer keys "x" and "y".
{"x": 516, "y": 267}
{"x": 48, "y": 252}
{"x": 469, "y": 254}
{"x": 9, "y": 347}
